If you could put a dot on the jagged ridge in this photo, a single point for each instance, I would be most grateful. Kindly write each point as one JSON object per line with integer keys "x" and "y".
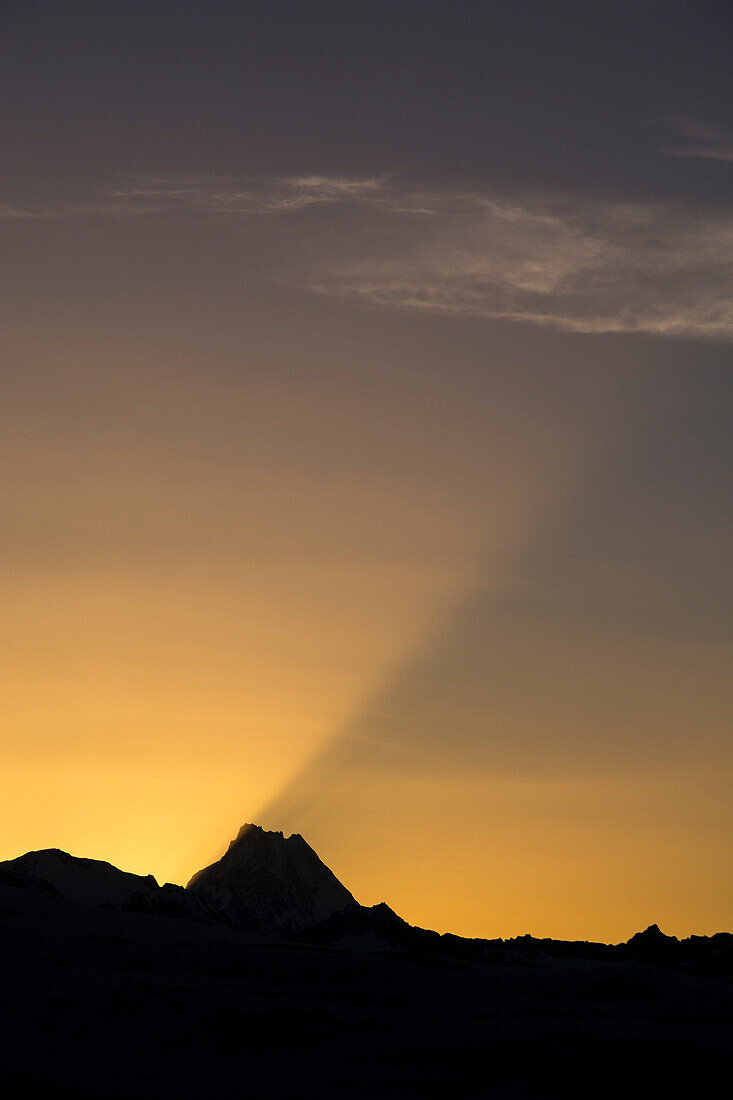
{"x": 266, "y": 882}
{"x": 272, "y": 884}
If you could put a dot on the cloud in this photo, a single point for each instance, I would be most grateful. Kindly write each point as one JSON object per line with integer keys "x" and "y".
{"x": 210, "y": 195}
{"x": 568, "y": 264}
{"x": 247, "y": 197}
{"x": 562, "y": 262}
{"x": 694, "y": 139}
{"x": 10, "y": 212}
{"x": 572, "y": 264}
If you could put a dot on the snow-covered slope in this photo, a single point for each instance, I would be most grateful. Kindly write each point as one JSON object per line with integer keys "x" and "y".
{"x": 267, "y": 882}
{"x": 88, "y": 881}
{"x": 95, "y": 882}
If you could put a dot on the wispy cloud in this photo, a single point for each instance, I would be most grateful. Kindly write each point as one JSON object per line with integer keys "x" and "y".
{"x": 695, "y": 139}
{"x": 230, "y": 196}
{"x": 581, "y": 266}
{"x": 11, "y": 212}
{"x": 574, "y": 265}
{"x": 567, "y": 263}
{"x": 212, "y": 195}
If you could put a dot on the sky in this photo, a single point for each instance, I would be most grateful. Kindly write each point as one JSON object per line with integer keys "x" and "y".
{"x": 365, "y": 426}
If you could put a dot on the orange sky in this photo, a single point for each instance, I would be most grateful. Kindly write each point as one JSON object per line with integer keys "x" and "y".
{"x": 364, "y": 427}
{"x": 185, "y": 626}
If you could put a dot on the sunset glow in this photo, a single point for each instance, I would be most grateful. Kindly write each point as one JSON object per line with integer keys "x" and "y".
{"x": 366, "y": 458}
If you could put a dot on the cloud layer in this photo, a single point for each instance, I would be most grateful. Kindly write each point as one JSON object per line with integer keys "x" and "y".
{"x": 247, "y": 197}
{"x": 567, "y": 263}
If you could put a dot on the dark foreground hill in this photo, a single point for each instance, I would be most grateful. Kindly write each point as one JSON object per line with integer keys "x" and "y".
{"x": 151, "y": 994}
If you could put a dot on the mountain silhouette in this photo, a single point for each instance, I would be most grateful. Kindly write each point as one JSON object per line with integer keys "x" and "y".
{"x": 89, "y": 881}
{"x": 266, "y": 976}
{"x": 96, "y": 882}
{"x": 276, "y": 886}
{"x": 267, "y": 882}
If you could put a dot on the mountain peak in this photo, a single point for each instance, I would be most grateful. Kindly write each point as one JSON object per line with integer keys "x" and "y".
{"x": 652, "y": 934}
{"x": 268, "y": 882}
{"x": 255, "y": 834}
